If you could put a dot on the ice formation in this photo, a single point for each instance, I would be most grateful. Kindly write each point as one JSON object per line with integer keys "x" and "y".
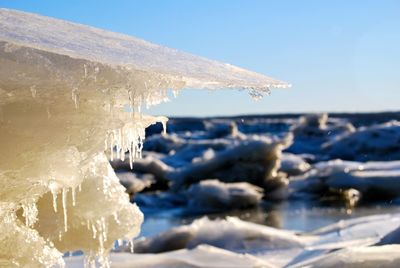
{"x": 374, "y": 180}
{"x": 63, "y": 91}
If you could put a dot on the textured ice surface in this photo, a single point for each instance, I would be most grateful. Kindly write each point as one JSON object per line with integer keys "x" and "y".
{"x": 63, "y": 91}
{"x": 83, "y": 42}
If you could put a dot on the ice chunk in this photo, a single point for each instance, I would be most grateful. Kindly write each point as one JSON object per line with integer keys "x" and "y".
{"x": 293, "y": 164}
{"x": 215, "y": 195}
{"x": 231, "y": 234}
{"x": 64, "y": 88}
{"x": 375, "y": 143}
{"x": 377, "y": 180}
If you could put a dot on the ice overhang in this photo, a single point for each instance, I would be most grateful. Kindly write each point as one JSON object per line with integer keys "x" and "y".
{"x": 53, "y": 39}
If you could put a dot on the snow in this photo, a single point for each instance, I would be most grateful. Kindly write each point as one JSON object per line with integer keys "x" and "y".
{"x": 64, "y": 92}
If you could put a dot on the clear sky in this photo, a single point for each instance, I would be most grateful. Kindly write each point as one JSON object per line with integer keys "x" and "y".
{"x": 339, "y": 55}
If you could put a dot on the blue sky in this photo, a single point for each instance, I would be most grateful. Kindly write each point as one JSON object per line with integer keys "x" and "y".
{"x": 338, "y": 55}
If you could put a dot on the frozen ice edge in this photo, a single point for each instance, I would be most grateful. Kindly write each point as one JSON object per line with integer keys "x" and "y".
{"x": 96, "y": 45}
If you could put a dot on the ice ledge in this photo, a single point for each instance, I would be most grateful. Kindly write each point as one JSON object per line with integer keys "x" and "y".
{"x": 92, "y": 44}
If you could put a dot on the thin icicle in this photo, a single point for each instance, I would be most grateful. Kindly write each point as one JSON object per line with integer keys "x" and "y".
{"x": 115, "y": 215}
{"x": 131, "y": 245}
{"x": 33, "y": 91}
{"x": 104, "y": 229}
{"x": 64, "y": 205}
{"x": 75, "y": 96}
{"x": 30, "y": 212}
{"x": 54, "y": 194}
{"x": 175, "y": 92}
{"x": 164, "y": 125}
{"x": 73, "y": 193}
{"x": 94, "y": 230}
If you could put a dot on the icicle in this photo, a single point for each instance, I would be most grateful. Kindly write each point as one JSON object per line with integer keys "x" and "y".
{"x": 33, "y": 91}
{"x": 130, "y": 158}
{"x": 30, "y": 212}
{"x": 94, "y": 230}
{"x": 131, "y": 245}
{"x": 175, "y": 92}
{"x": 64, "y": 204}
{"x": 85, "y": 70}
{"x": 106, "y": 185}
{"x": 96, "y": 72}
{"x": 104, "y": 229}
{"x": 89, "y": 261}
{"x": 115, "y": 215}
{"x": 54, "y": 194}
{"x": 112, "y": 146}
{"x": 75, "y": 96}
{"x": 101, "y": 244}
{"x": 48, "y": 112}
{"x": 1, "y": 115}
{"x": 73, "y": 193}
{"x": 80, "y": 187}
{"x": 121, "y": 144}
{"x": 164, "y": 125}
